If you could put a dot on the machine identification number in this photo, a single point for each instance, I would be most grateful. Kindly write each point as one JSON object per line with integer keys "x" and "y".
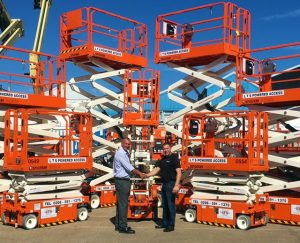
{"x": 225, "y": 213}
{"x": 14, "y": 95}
{"x": 107, "y": 51}
{"x": 105, "y": 188}
{"x": 66, "y": 160}
{"x": 174, "y": 52}
{"x": 208, "y": 160}
{"x": 211, "y": 203}
{"x": 183, "y": 191}
{"x": 48, "y": 213}
{"x": 295, "y": 209}
{"x": 278, "y": 200}
{"x": 263, "y": 94}
{"x": 62, "y": 202}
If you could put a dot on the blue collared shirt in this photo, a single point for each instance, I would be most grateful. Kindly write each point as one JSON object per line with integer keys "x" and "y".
{"x": 121, "y": 164}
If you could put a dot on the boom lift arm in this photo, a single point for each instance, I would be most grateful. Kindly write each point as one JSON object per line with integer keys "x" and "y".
{"x": 44, "y": 6}
{"x": 12, "y": 29}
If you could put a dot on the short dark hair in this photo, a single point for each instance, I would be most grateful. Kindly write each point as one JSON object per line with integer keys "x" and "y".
{"x": 167, "y": 144}
{"x": 128, "y": 139}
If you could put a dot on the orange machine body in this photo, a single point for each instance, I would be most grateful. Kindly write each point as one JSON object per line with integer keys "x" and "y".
{"x": 47, "y": 211}
{"x": 284, "y": 208}
{"x": 182, "y": 197}
{"x": 225, "y": 213}
{"x": 143, "y": 202}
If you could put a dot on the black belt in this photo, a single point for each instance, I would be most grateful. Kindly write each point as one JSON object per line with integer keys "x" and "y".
{"x": 122, "y": 178}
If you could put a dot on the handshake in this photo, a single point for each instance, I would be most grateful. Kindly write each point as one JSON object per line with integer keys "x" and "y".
{"x": 149, "y": 174}
{"x": 143, "y": 175}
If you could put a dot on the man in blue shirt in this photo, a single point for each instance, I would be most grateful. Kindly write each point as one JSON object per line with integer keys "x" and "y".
{"x": 122, "y": 170}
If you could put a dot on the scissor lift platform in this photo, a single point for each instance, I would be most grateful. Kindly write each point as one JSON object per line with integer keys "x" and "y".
{"x": 263, "y": 76}
{"x": 43, "y": 87}
{"x": 219, "y": 29}
{"x": 90, "y": 35}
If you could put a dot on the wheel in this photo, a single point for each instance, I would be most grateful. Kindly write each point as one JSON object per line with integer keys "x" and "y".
{"x": 30, "y": 221}
{"x": 159, "y": 200}
{"x": 82, "y": 213}
{"x": 190, "y": 215}
{"x": 95, "y": 201}
{"x": 265, "y": 219}
{"x": 243, "y": 222}
{"x": 3, "y": 219}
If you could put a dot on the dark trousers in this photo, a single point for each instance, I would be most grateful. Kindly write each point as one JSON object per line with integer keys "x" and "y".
{"x": 122, "y": 192}
{"x": 168, "y": 204}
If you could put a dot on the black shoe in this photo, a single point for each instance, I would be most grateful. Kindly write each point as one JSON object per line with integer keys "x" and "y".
{"x": 160, "y": 227}
{"x": 117, "y": 228}
{"x": 128, "y": 230}
{"x": 169, "y": 229}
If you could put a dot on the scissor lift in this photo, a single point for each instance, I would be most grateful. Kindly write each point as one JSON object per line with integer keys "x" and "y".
{"x": 42, "y": 157}
{"x": 266, "y": 82}
{"x": 201, "y": 43}
{"x": 31, "y": 146}
{"x": 104, "y": 45}
{"x": 227, "y": 151}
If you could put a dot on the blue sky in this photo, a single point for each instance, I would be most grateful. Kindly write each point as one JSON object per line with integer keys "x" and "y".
{"x": 273, "y": 22}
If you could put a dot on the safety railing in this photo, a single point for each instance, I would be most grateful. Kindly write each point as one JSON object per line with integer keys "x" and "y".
{"x": 201, "y": 34}
{"x": 225, "y": 141}
{"x": 43, "y": 86}
{"x": 91, "y": 32}
{"x": 269, "y": 76}
{"x": 47, "y": 140}
{"x": 141, "y": 98}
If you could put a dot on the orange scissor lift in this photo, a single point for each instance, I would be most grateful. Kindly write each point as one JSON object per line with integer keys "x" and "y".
{"x": 112, "y": 49}
{"x": 269, "y": 79}
{"x": 104, "y": 45}
{"x": 141, "y": 117}
{"x": 233, "y": 145}
{"x": 203, "y": 44}
{"x": 39, "y": 141}
{"x": 46, "y": 172}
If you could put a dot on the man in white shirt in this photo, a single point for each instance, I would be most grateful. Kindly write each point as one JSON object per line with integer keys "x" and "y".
{"x": 122, "y": 170}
